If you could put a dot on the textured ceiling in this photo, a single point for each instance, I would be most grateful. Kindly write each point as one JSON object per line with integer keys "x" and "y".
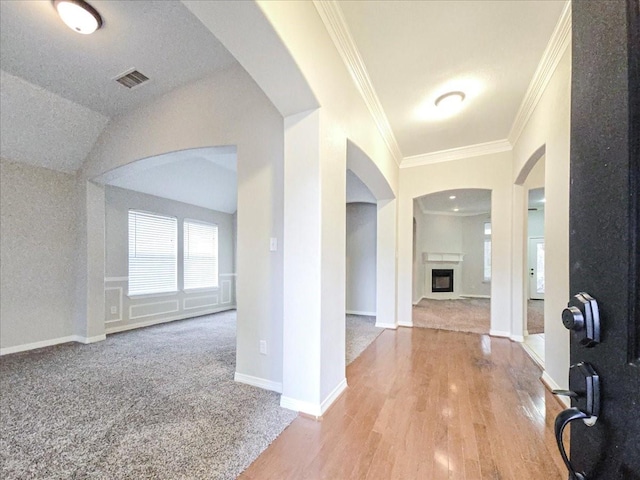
{"x": 416, "y": 50}
{"x": 162, "y": 39}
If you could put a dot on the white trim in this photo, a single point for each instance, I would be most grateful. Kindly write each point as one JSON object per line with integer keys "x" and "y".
{"x": 50, "y": 343}
{"x": 517, "y": 338}
{"x": 131, "y": 307}
{"x": 157, "y": 321}
{"x": 464, "y": 295}
{"x": 258, "y": 382}
{"x": 405, "y": 324}
{"x": 212, "y": 297}
{"x": 558, "y": 43}
{"x": 317, "y": 410}
{"x": 34, "y": 345}
{"x": 499, "y": 333}
{"x": 333, "y": 396}
{"x": 336, "y": 25}
{"x": 227, "y": 274}
{"x": 534, "y": 356}
{"x": 458, "y": 153}
{"x": 391, "y": 326}
{"x": 448, "y": 214}
{"x": 358, "y": 312}
{"x": 419, "y": 300}
{"x": 87, "y": 340}
{"x": 116, "y": 279}
{"x": 551, "y": 384}
{"x": 120, "y": 304}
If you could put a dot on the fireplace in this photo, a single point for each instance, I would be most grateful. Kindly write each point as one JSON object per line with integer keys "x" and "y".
{"x": 441, "y": 280}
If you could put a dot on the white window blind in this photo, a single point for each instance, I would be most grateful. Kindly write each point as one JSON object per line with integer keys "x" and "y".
{"x": 200, "y": 255}
{"x": 153, "y": 253}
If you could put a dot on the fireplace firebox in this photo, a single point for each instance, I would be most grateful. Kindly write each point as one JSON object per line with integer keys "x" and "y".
{"x": 441, "y": 280}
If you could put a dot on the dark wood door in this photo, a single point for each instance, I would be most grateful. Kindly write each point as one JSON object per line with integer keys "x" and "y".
{"x": 604, "y": 228}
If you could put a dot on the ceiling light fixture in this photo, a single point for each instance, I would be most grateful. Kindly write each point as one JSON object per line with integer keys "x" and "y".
{"x": 450, "y": 101}
{"x": 78, "y": 15}
{"x": 452, "y": 197}
{"x": 456, "y": 209}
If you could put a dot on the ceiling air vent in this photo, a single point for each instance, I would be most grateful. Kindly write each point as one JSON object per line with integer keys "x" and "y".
{"x": 131, "y": 79}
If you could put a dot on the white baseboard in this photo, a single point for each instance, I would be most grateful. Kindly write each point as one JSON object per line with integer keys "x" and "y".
{"x": 50, "y": 343}
{"x": 359, "y": 312}
{"x": 87, "y": 340}
{"x": 405, "y": 324}
{"x": 315, "y": 409}
{"x": 474, "y": 296}
{"x": 517, "y": 338}
{"x": 34, "y": 345}
{"x": 551, "y": 384}
{"x": 534, "y": 356}
{"x": 392, "y": 326}
{"x": 499, "y": 333}
{"x": 258, "y": 382}
{"x": 158, "y": 321}
{"x": 418, "y": 301}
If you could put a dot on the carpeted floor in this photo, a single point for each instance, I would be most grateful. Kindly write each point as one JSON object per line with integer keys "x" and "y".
{"x": 535, "y": 316}
{"x": 154, "y": 403}
{"x": 469, "y": 315}
{"x": 361, "y": 332}
{"x": 158, "y": 402}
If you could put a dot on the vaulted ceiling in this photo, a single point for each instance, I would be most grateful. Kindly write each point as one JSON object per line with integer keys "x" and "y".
{"x": 58, "y": 89}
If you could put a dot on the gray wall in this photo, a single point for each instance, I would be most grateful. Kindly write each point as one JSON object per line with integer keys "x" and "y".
{"x": 361, "y": 258}
{"x": 156, "y": 308}
{"x": 37, "y": 242}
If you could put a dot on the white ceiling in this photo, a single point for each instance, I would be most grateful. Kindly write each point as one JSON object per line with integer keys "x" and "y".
{"x": 469, "y": 201}
{"x": 206, "y": 177}
{"x": 416, "y": 50}
{"x": 162, "y": 39}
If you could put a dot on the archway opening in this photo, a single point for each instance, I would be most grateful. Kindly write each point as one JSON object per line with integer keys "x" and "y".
{"x": 452, "y": 260}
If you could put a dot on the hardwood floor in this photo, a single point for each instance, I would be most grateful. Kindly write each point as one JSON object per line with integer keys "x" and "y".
{"x": 427, "y": 404}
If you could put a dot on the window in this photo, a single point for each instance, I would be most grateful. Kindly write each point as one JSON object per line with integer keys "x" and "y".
{"x": 153, "y": 253}
{"x": 200, "y": 255}
{"x": 487, "y": 252}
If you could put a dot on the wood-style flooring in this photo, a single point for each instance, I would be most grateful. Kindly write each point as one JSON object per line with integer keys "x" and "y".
{"x": 427, "y": 404}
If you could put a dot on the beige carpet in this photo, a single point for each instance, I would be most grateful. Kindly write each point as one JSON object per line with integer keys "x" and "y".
{"x": 469, "y": 315}
{"x": 464, "y": 315}
{"x": 535, "y": 316}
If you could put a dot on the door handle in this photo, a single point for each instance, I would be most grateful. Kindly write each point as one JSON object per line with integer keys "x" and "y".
{"x": 562, "y": 420}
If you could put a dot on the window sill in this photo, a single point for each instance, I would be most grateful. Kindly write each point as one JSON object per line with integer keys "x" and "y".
{"x": 152, "y": 295}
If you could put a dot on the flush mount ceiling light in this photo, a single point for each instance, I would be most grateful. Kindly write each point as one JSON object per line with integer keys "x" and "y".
{"x": 78, "y": 15}
{"x": 452, "y": 197}
{"x": 456, "y": 209}
{"x": 450, "y": 101}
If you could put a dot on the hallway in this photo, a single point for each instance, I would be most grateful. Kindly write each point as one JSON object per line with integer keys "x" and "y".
{"x": 426, "y": 404}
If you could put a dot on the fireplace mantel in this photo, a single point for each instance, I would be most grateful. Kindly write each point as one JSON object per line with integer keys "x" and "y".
{"x": 441, "y": 257}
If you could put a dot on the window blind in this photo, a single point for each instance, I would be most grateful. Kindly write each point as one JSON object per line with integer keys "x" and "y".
{"x": 153, "y": 253}
{"x": 200, "y": 255}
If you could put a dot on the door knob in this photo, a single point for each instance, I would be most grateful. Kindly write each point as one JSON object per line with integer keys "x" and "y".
{"x": 582, "y": 316}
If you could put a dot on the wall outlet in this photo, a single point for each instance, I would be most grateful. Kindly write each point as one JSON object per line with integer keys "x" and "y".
{"x": 273, "y": 244}
{"x": 263, "y": 347}
{"x": 114, "y": 310}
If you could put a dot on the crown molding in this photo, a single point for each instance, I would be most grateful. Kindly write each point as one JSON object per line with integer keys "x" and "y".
{"x": 558, "y": 43}
{"x": 336, "y": 25}
{"x": 458, "y": 153}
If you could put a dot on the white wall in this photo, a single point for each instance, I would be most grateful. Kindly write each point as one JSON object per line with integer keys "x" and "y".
{"x": 361, "y": 259}
{"x": 548, "y": 127}
{"x": 37, "y": 242}
{"x": 150, "y": 309}
{"x": 227, "y": 108}
{"x": 473, "y": 247}
{"x": 491, "y": 172}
